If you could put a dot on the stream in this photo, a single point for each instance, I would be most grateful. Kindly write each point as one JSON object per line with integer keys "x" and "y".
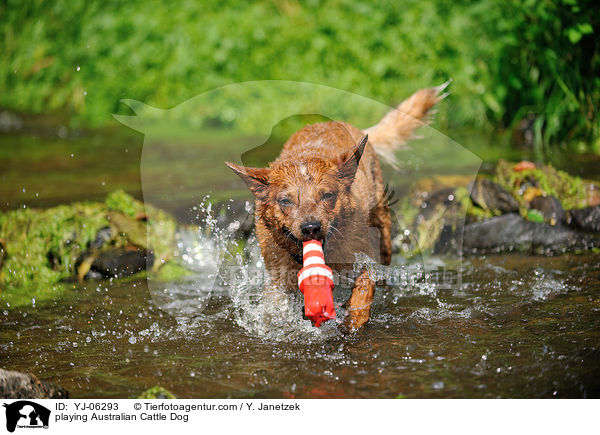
{"x": 514, "y": 326}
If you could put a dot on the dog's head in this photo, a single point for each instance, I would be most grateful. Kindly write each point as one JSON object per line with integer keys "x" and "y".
{"x": 303, "y": 199}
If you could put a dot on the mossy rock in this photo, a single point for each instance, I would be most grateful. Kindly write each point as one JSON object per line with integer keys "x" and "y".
{"x": 429, "y": 220}
{"x": 570, "y": 190}
{"x": 42, "y": 245}
{"x": 40, "y": 248}
{"x": 157, "y": 392}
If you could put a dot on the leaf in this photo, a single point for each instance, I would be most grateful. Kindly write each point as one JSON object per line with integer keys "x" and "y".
{"x": 535, "y": 216}
{"x": 573, "y": 34}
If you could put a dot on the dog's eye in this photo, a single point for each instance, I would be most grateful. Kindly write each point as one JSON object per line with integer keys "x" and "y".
{"x": 285, "y": 202}
{"x": 328, "y": 196}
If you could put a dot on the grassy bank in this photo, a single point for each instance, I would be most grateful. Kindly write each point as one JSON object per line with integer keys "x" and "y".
{"x": 508, "y": 59}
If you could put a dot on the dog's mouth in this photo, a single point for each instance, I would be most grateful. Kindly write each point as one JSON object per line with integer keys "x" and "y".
{"x": 297, "y": 256}
{"x": 290, "y": 236}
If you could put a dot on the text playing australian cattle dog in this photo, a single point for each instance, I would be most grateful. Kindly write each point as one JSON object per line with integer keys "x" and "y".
{"x": 327, "y": 185}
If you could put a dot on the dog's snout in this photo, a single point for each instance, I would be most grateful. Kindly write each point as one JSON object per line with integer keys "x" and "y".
{"x": 311, "y": 229}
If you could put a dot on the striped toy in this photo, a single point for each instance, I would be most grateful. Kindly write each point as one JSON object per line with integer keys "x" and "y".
{"x": 315, "y": 280}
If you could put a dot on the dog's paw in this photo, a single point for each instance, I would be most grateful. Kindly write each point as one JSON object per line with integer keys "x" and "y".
{"x": 346, "y": 328}
{"x": 354, "y": 320}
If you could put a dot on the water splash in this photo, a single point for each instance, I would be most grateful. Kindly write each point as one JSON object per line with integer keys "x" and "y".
{"x": 224, "y": 266}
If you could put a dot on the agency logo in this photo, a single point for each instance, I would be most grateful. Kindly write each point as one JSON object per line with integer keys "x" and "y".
{"x": 26, "y": 414}
{"x": 266, "y": 114}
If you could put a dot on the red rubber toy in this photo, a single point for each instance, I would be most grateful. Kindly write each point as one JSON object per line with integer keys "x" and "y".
{"x": 315, "y": 280}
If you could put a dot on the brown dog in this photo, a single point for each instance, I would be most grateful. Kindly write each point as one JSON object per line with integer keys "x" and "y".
{"x": 327, "y": 185}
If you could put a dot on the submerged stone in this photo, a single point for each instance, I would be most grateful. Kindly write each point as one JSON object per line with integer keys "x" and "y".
{"x": 510, "y": 232}
{"x": 586, "y": 219}
{"x": 550, "y": 208}
{"x": 120, "y": 263}
{"x": 491, "y": 196}
{"x": 17, "y": 385}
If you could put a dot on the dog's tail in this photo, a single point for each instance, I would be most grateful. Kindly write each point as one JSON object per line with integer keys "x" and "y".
{"x": 398, "y": 126}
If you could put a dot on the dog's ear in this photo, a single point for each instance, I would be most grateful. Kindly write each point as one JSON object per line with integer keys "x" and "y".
{"x": 257, "y": 179}
{"x": 349, "y": 165}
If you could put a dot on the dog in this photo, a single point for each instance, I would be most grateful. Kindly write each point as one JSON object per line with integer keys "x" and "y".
{"x": 327, "y": 185}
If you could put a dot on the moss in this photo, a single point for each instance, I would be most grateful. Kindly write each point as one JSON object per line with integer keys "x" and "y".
{"x": 463, "y": 197}
{"x": 161, "y": 235}
{"x": 157, "y": 392}
{"x": 535, "y": 216}
{"x": 42, "y": 247}
{"x": 406, "y": 213}
{"x": 569, "y": 190}
{"x": 155, "y": 232}
{"x": 33, "y": 295}
{"x": 123, "y": 203}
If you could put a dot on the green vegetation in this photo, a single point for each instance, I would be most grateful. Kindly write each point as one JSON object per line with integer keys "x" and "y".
{"x": 508, "y": 58}
{"x": 124, "y": 203}
{"x": 549, "y": 65}
{"x": 571, "y": 191}
{"x": 157, "y": 392}
{"x": 41, "y": 248}
{"x": 42, "y": 245}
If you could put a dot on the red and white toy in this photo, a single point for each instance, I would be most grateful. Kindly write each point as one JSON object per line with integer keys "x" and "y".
{"x": 315, "y": 280}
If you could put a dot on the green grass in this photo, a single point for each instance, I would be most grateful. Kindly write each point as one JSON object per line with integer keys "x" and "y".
{"x": 507, "y": 58}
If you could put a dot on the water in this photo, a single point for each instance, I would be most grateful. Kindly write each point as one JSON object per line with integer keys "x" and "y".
{"x": 517, "y": 326}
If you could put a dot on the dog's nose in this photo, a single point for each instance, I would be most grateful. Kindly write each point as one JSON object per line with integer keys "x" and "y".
{"x": 311, "y": 229}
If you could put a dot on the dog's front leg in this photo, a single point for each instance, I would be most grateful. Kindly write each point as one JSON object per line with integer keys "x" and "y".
{"x": 359, "y": 304}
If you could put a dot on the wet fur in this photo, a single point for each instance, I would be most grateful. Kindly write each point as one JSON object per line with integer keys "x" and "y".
{"x": 330, "y": 173}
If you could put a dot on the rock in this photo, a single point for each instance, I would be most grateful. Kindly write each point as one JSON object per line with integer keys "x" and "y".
{"x": 550, "y": 208}
{"x": 491, "y": 196}
{"x": 592, "y": 193}
{"x": 586, "y": 219}
{"x": 544, "y": 180}
{"x": 120, "y": 262}
{"x": 103, "y": 236}
{"x": 437, "y": 219}
{"x": 510, "y": 232}
{"x": 17, "y": 385}
{"x": 421, "y": 226}
{"x": 440, "y": 198}
{"x": 425, "y": 187}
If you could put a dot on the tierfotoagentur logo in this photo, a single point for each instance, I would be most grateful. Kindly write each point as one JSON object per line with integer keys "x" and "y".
{"x": 220, "y": 247}
{"x": 25, "y": 414}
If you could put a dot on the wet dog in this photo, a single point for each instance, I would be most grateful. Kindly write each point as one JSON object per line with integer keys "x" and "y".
{"x": 327, "y": 185}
